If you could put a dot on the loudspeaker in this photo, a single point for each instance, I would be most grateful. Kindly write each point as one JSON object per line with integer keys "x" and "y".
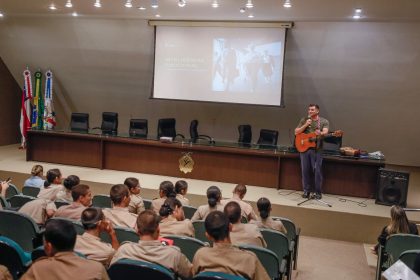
{"x": 392, "y": 187}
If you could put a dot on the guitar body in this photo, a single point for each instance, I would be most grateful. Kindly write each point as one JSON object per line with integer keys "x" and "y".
{"x": 304, "y": 141}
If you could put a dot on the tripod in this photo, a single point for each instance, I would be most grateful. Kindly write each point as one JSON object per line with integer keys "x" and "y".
{"x": 312, "y": 197}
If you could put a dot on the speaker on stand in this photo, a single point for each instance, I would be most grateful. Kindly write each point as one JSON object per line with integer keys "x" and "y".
{"x": 392, "y": 187}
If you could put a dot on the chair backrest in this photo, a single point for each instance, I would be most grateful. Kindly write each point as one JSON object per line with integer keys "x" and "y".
{"x": 4, "y": 202}
{"x": 245, "y": 134}
{"x": 332, "y": 144}
{"x": 268, "y": 259}
{"x": 398, "y": 243}
{"x": 147, "y": 203}
{"x": 166, "y": 128}
{"x": 79, "y": 122}
{"x": 276, "y": 242}
{"x": 18, "y": 227}
{"x": 194, "y": 130}
{"x": 59, "y": 203}
{"x": 11, "y": 191}
{"x": 13, "y": 257}
{"x": 268, "y": 137}
{"x": 290, "y": 228}
{"x": 77, "y": 225}
{"x": 138, "y": 128}
{"x": 109, "y": 123}
{"x": 212, "y": 275}
{"x": 409, "y": 257}
{"x": 102, "y": 201}
{"x": 31, "y": 191}
{"x": 19, "y": 200}
{"x": 200, "y": 231}
{"x": 122, "y": 233}
{"x": 188, "y": 245}
{"x": 133, "y": 269}
{"x": 189, "y": 211}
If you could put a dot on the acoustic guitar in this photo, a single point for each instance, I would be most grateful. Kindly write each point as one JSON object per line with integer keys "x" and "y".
{"x": 304, "y": 141}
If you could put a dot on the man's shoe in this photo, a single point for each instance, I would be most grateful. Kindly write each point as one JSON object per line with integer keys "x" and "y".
{"x": 306, "y": 194}
{"x": 318, "y": 196}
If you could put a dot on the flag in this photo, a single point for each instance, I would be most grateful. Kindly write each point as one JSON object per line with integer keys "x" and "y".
{"x": 49, "y": 114}
{"x": 25, "y": 112}
{"x": 38, "y": 107}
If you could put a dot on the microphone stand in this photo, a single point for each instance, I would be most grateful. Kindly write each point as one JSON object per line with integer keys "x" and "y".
{"x": 312, "y": 197}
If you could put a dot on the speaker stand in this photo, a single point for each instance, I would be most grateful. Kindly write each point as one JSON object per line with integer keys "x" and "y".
{"x": 312, "y": 197}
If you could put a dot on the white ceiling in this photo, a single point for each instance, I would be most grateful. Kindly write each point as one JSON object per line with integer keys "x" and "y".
{"x": 302, "y": 10}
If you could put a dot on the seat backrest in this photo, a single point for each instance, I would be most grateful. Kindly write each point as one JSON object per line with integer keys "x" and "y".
{"x": 102, "y": 201}
{"x": 59, "y": 203}
{"x": 409, "y": 257}
{"x": 276, "y": 242}
{"x": 189, "y": 211}
{"x": 122, "y": 233}
{"x": 245, "y": 134}
{"x": 31, "y": 191}
{"x": 77, "y": 225}
{"x": 4, "y": 202}
{"x": 332, "y": 144}
{"x": 79, "y": 122}
{"x": 11, "y": 191}
{"x": 166, "y": 128}
{"x": 138, "y": 128}
{"x": 147, "y": 203}
{"x": 268, "y": 137}
{"x": 109, "y": 122}
{"x": 194, "y": 130}
{"x": 268, "y": 259}
{"x": 398, "y": 243}
{"x": 19, "y": 200}
{"x": 200, "y": 231}
{"x": 133, "y": 269}
{"x": 290, "y": 228}
{"x": 19, "y": 227}
{"x": 212, "y": 275}
{"x": 188, "y": 245}
{"x": 13, "y": 257}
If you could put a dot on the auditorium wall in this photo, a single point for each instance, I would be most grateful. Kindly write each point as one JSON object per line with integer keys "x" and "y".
{"x": 364, "y": 75}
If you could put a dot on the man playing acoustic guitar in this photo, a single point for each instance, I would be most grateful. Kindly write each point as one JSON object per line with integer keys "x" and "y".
{"x": 311, "y": 159}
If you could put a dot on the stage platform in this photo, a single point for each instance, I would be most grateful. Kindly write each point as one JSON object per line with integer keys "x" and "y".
{"x": 349, "y": 219}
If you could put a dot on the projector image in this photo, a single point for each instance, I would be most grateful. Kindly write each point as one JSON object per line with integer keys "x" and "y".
{"x": 165, "y": 139}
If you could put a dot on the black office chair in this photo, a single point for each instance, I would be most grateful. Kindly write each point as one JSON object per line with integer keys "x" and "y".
{"x": 138, "y": 128}
{"x": 166, "y": 128}
{"x": 79, "y": 122}
{"x": 194, "y": 133}
{"x": 109, "y": 123}
{"x": 268, "y": 138}
{"x": 245, "y": 134}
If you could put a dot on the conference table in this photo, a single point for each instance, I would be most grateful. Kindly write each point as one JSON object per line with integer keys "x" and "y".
{"x": 221, "y": 161}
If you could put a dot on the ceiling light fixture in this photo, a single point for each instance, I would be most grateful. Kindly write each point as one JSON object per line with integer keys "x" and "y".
{"x": 97, "y": 4}
{"x": 356, "y": 16}
{"x": 75, "y": 14}
{"x": 249, "y": 4}
{"x": 154, "y": 4}
{"x": 251, "y": 16}
{"x": 287, "y": 4}
{"x": 157, "y": 15}
{"x": 242, "y": 10}
{"x": 142, "y": 8}
{"x": 1, "y": 14}
{"x": 128, "y": 4}
{"x": 182, "y": 3}
{"x": 215, "y": 4}
{"x": 358, "y": 10}
{"x": 52, "y": 7}
{"x": 69, "y": 4}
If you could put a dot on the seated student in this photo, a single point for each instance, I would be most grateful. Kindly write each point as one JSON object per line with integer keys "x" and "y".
{"x": 89, "y": 244}
{"x": 214, "y": 195}
{"x": 40, "y": 210}
{"x": 68, "y": 183}
{"x": 150, "y": 249}
{"x": 82, "y": 198}
{"x": 223, "y": 256}
{"x": 266, "y": 221}
{"x": 399, "y": 224}
{"x": 136, "y": 205}
{"x": 181, "y": 188}
{"x": 242, "y": 233}
{"x": 166, "y": 189}
{"x": 52, "y": 185}
{"x": 119, "y": 214}
{"x": 238, "y": 195}
{"x": 173, "y": 219}
{"x": 36, "y": 179}
{"x": 61, "y": 261}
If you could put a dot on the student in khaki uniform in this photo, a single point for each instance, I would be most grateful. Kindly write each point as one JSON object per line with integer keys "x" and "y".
{"x": 181, "y": 188}
{"x": 166, "y": 189}
{"x": 52, "y": 186}
{"x": 68, "y": 183}
{"x": 238, "y": 196}
{"x": 40, "y": 210}
{"x": 82, "y": 198}
{"x": 119, "y": 214}
{"x": 61, "y": 262}
{"x": 89, "y": 243}
{"x": 136, "y": 205}
{"x": 214, "y": 195}
{"x": 150, "y": 249}
{"x": 265, "y": 220}
{"x": 173, "y": 219}
{"x": 223, "y": 256}
{"x": 242, "y": 233}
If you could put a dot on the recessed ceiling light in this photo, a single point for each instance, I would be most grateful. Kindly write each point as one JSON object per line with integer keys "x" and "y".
{"x": 242, "y": 10}
{"x": 215, "y": 4}
{"x": 251, "y": 16}
{"x": 128, "y": 4}
{"x": 287, "y": 4}
{"x": 182, "y": 3}
{"x": 52, "y": 7}
{"x": 1, "y": 14}
{"x": 358, "y": 10}
{"x": 142, "y": 8}
{"x": 154, "y": 4}
{"x": 75, "y": 14}
{"x": 69, "y": 4}
{"x": 356, "y": 17}
{"x": 97, "y": 4}
{"x": 157, "y": 15}
{"x": 249, "y": 4}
